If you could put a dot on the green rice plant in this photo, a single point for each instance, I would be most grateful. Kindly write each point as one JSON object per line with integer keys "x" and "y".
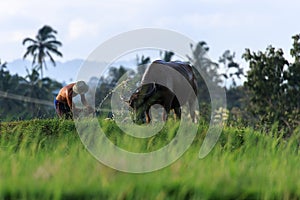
{"x": 45, "y": 159}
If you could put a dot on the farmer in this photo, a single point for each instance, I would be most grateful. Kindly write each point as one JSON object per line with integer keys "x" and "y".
{"x": 63, "y": 101}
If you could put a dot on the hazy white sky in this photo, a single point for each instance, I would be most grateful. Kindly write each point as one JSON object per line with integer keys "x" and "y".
{"x": 83, "y": 25}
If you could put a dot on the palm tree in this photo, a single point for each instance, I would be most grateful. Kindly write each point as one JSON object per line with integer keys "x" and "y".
{"x": 166, "y": 55}
{"x": 42, "y": 46}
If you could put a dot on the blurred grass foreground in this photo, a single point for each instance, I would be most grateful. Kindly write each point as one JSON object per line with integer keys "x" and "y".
{"x": 45, "y": 159}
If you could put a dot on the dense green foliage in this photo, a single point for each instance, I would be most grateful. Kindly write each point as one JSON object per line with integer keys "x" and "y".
{"x": 15, "y": 91}
{"x": 44, "y": 159}
{"x": 273, "y": 83}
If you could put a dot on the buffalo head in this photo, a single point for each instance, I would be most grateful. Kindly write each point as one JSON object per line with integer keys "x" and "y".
{"x": 140, "y": 103}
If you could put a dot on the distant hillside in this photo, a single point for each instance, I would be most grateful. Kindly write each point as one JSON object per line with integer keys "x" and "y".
{"x": 63, "y": 71}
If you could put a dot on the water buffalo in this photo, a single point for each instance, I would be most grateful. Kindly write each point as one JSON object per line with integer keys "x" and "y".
{"x": 157, "y": 85}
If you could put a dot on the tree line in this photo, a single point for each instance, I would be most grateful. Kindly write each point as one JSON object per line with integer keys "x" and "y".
{"x": 269, "y": 95}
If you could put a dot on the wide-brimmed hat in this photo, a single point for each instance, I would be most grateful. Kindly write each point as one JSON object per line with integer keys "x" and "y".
{"x": 80, "y": 87}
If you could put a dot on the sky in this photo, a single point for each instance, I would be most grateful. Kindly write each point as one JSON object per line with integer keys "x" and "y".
{"x": 83, "y": 25}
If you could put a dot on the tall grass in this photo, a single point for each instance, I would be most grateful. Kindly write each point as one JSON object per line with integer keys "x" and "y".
{"x": 45, "y": 159}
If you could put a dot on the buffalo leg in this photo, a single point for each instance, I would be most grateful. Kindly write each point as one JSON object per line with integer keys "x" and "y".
{"x": 148, "y": 119}
{"x": 166, "y": 114}
{"x": 192, "y": 108}
{"x": 177, "y": 112}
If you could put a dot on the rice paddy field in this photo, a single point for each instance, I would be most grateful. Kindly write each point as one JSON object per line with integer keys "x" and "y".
{"x": 45, "y": 159}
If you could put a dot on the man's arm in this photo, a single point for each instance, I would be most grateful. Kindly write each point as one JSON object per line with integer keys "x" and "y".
{"x": 69, "y": 99}
{"x": 85, "y": 103}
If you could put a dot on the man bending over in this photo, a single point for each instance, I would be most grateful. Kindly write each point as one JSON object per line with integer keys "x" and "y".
{"x": 63, "y": 101}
